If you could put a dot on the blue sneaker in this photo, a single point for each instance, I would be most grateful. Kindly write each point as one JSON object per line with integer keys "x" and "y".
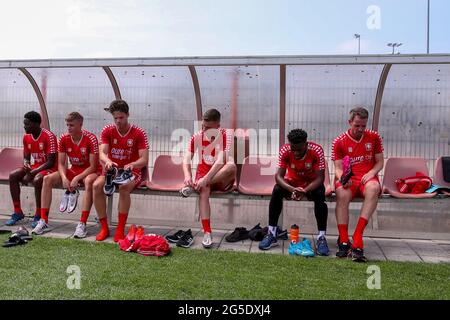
{"x": 295, "y": 248}
{"x": 322, "y": 247}
{"x": 307, "y": 251}
{"x": 268, "y": 242}
{"x": 35, "y": 221}
{"x": 14, "y": 219}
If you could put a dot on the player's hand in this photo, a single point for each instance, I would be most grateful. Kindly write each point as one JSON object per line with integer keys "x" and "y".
{"x": 298, "y": 194}
{"x": 129, "y": 167}
{"x": 109, "y": 165}
{"x": 201, "y": 183}
{"x": 365, "y": 178}
{"x": 27, "y": 167}
{"x": 189, "y": 182}
{"x": 74, "y": 184}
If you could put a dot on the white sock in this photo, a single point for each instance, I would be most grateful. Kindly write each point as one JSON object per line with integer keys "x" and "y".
{"x": 273, "y": 230}
{"x": 321, "y": 233}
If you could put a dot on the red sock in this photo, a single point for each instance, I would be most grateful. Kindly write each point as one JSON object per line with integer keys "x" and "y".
{"x": 206, "y": 225}
{"x": 104, "y": 231}
{"x": 357, "y": 236}
{"x": 17, "y": 207}
{"x": 120, "y": 230}
{"x": 84, "y": 216}
{"x": 37, "y": 213}
{"x": 343, "y": 233}
{"x": 44, "y": 214}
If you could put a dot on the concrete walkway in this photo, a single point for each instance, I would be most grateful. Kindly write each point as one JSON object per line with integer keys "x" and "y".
{"x": 381, "y": 249}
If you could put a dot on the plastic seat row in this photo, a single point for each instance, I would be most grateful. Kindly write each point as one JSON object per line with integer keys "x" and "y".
{"x": 257, "y": 173}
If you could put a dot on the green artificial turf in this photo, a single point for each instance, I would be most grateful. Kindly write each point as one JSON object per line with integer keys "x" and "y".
{"x": 37, "y": 270}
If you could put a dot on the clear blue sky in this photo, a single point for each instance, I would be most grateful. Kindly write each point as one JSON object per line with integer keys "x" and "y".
{"x": 138, "y": 28}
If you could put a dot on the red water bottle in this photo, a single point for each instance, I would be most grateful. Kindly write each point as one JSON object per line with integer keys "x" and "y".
{"x": 294, "y": 233}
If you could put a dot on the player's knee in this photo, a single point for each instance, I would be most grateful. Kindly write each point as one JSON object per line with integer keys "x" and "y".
{"x": 126, "y": 189}
{"x": 343, "y": 196}
{"x": 372, "y": 190}
{"x": 38, "y": 180}
{"x": 98, "y": 186}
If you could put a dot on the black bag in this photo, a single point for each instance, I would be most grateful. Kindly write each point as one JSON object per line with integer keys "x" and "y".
{"x": 446, "y": 168}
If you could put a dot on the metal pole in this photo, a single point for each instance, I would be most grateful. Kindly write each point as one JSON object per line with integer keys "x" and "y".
{"x": 359, "y": 45}
{"x": 428, "y": 27}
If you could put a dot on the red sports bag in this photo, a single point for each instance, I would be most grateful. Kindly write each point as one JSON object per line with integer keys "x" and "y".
{"x": 416, "y": 184}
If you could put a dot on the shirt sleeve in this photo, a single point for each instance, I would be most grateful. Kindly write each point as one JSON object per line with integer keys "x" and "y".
{"x": 337, "y": 152}
{"x": 52, "y": 144}
{"x": 26, "y": 151}
{"x": 191, "y": 147}
{"x": 378, "y": 144}
{"x": 142, "y": 141}
{"x": 319, "y": 163}
{"x": 283, "y": 158}
{"x": 93, "y": 144}
{"x": 105, "y": 136}
{"x": 62, "y": 145}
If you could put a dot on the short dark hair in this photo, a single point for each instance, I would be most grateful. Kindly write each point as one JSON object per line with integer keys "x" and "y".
{"x": 360, "y": 112}
{"x": 212, "y": 115}
{"x": 118, "y": 105}
{"x": 297, "y": 136}
{"x": 33, "y": 116}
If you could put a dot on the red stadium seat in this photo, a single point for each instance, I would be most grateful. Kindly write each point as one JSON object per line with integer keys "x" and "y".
{"x": 167, "y": 174}
{"x": 10, "y": 159}
{"x": 401, "y": 168}
{"x": 258, "y": 175}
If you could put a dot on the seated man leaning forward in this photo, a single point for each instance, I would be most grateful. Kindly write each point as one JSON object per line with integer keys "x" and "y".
{"x": 123, "y": 146}
{"x": 215, "y": 170}
{"x": 364, "y": 150}
{"x": 80, "y": 148}
{"x": 300, "y": 174}
{"x": 39, "y": 155}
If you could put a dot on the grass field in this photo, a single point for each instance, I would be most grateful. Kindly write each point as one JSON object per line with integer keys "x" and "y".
{"x": 37, "y": 270}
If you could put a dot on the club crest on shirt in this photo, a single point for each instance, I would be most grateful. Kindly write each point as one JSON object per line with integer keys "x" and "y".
{"x": 83, "y": 151}
{"x": 308, "y": 165}
{"x": 115, "y": 141}
{"x": 130, "y": 142}
{"x": 41, "y": 146}
{"x": 369, "y": 146}
{"x": 69, "y": 149}
{"x": 350, "y": 149}
{"x": 292, "y": 166}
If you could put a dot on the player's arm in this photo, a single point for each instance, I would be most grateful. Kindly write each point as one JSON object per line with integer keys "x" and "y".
{"x": 279, "y": 178}
{"x": 139, "y": 163}
{"x": 187, "y": 168}
{"x": 317, "y": 182}
{"x": 27, "y": 161}
{"x": 62, "y": 164}
{"x": 106, "y": 162}
{"x": 379, "y": 163}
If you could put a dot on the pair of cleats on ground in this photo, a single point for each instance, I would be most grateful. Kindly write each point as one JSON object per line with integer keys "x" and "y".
{"x": 185, "y": 239}
{"x": 20, "y": 237}
{"x": 115, "y": 177}
{"x": 346, "y": 250}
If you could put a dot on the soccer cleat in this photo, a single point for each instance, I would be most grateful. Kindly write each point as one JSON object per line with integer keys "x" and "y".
{"x": 357, "y": 255}
{"x": 307, "y": 250}
{"x": 268, "y": 242}
{"x": 140, "y": 232}
{"x": 186, "y": 191}
{"x": 64, "y": 201}
{"x": 35, "y": 221}
{"x": 102, "y": 235}
{"x": 207, "y": 240}
{"x": 237, "y": 235}
{"x": 15, "y": 217}
{"x": 344, "y": 250}
{"x": 124, "y": 177}
{"x": 186, "y": 240}
{"x": 322, "y": 246}
{"x": 109, "y": 186}
{"x": 176, "y": 236}
{"x": 41, "y": 228}
{"x": 80, "y": 231}
{"x": 295, "y": 248}
{"x": 346, "y": 169}
{"x": 73, "y": 200}
{"x": 131, "y": 233}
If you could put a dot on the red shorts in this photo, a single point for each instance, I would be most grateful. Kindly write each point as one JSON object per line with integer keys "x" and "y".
{"x": 74, "y": 171}
{"x": 357, "y": 188}
{"x": 44, "y": 173}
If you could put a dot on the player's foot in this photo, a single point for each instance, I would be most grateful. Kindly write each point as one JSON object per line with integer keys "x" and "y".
{"x": 41, "y": 228}
{"x": 15, "y": 217}
{"x": 80, "y": 231}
